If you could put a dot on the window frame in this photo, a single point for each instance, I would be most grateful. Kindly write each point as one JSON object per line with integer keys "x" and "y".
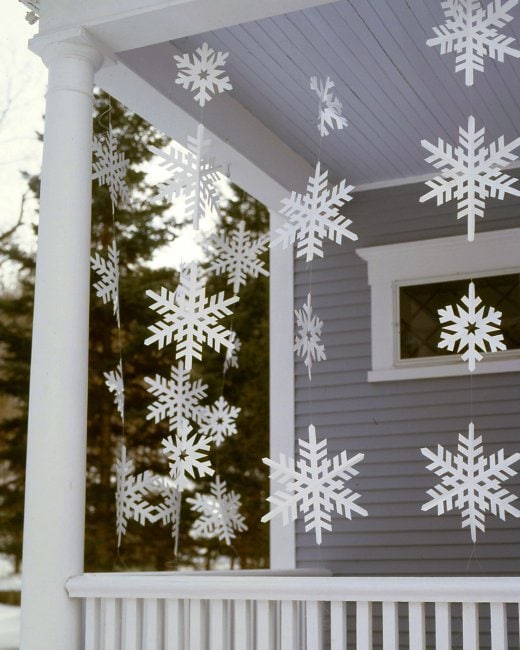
{"x": 423, "y": 262}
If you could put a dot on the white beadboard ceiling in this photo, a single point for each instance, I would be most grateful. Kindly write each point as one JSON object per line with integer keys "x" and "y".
{"x": 395, "y": 90}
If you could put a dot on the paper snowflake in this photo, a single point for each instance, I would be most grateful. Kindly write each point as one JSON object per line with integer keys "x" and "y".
{"x": 471, "y": 31}
{"x": 307, "y": 341}
{"x": 169, "y": 510}
{"x": 470, "y": 328}
{"x": 193, "y": 177}
{"x": 470, "y": 173}
{"x": 238, "y": 255}
{"x": 315, "y": 484}
{"x": 177, "y": 398}
{"x": 219, "y": 421}
{"x": 187, "y": 456}
{"x": 110, "y": 168}
{"x": 131, "y": 493}
{"x": 108, "y": 287}
{"x": 203, "y": 73}
{"x": 231, "y": 360}
{"x": 189, "y": 317}
{"x": 471, "y": 482}
{"x": 330, "y": 108}
{"x": 114, "y": 382}
{"x": 219, "y": 513}
{"x": 314, "y": 216}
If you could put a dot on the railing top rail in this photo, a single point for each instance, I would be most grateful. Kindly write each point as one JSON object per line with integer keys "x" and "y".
{"x": 290, "y": 587}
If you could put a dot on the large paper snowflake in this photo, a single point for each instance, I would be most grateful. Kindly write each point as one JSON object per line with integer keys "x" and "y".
{"x": 203, "y": 73}
{"x": 238, "y": 255}
{"x": 471, "y": 172}
{"x": 330, "y": 108}
{"x": 189, "y": 317}
{"x": 470, "y": 328}
{"x": 115, "y": 384}
{"x": 131, "y": 495}
{"x": 108, "y": 287}
{"x": 314, "y": 216}
{"x": 187, "y": 456}
{"x": 471, "y": 31}
{"x": 315, "y": 485}
{"x": 193, "y": 177}
{"x": 219, "y": 421}
{"x": 110, "y": 168}
{"x": 307, "y": 341}
{"x": 231, "y": 360}
{"x": 219, "y": 513}
{"x": 177, "y": 398}
{"x": 471, "y": 482}
{"x": 169, "y": 510}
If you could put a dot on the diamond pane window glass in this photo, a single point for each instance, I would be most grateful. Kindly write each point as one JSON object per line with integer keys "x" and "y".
{"x": 419, "y": 321}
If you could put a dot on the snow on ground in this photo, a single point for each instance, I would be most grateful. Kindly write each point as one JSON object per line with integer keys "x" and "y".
{"x": 9, "y": 627}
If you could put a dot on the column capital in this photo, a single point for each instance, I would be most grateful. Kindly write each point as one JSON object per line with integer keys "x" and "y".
{"x": 71, "y": 43}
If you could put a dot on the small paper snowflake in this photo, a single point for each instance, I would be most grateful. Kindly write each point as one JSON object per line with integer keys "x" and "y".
{"x": 131, "y": 493}
{"x": 114, "y": 382}
{"x": 314, "y": 216}
{"x": 219, "y": 421}
{"x": 470, "y": 328}
{"x": 193, "y": 177}
{"x": 307, "y": 341}
{"x": 330, "y": 108}
{"x": 187, "y": 456}
{"x": 470, "y": 173}
{"x": 110, "y": 168}
{"x": 169, "y": 510}
{"x": 315, "y": 484}
{"x": 177, "y": 398}
{"x": 203, "y": 73}
{"x": 471, "y": 482}
{"x": 219, "y": 513}
{"x": 231, "y": 360}
{"x": 471, "y": 31}
{"x": 108, "y": 287}
{"x": 189, "y": 317}
{"x": 238, "y": 256}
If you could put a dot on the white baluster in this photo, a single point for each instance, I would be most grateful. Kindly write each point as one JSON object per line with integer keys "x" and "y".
{"x": 91, "y": 624}
{"x": 173, "y": 625}
{"x": 416, "y": 627}
{"x": 498, "y": 626}
{"x": 241, "y": 627}
{"x": 363, "y": 625}
{"x": 150, "y": 640}
{"x": 108, "y": 618}
{"x": 264, "y": 635}
{"x": 217, "y": 629}
{"x": 470, "y": 640}
{"x": 442, "y": 626}
{"x": 390, "y": 626}
{"x": 129, "y": 624}
{"x": 338, "y": 625}
{"x": 288, "y": 625}
{"x": 197, "y": 625}
{"x": 314, "y": 625}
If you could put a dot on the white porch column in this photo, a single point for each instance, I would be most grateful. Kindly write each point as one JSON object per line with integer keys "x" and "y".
{"x": 56, "y": 453}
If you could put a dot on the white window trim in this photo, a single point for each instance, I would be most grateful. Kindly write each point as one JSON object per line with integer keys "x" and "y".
{"x": 422, "y": 262}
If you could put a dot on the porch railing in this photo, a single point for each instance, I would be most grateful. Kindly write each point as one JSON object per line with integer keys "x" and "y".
{"x": 273, "y": 612}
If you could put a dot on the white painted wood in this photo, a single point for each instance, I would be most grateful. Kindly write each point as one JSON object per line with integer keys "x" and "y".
{"x": 129, "y": 624}
{"x": 390, "y": 626}
{"x": 416, "y": 626}
{"x": 314, "y": 625}
{"x": 288, "y": 622}
{"x": 173, "y": 624}
{"x": 363, "y": 625}
{"x": 498, "y": 614}
{"x": 108, "y": 623}
{"x": 197, "y": 624}
{"x": 218, "y": 625}
{"x": 55, "y": 500}
{"x": 264, "y": 629}
{"x": 470, "y": 626}
{"x": 442, "y": 626}
{"x": 338, "y": 625}
{"x": 150, "y": 624}
{"x": 241, "y": 625}
{"x": 91, "y": 624}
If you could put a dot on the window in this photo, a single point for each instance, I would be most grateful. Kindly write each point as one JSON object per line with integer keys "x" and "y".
{"x": 411, "y": 281}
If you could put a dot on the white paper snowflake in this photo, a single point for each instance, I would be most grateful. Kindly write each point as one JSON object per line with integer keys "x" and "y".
{"x": 177, "y": 398}
{"x": 330, "y": 107}
{"x": 314, "y": 216}
{"x": 203, "y": 73}
{"x": 471, "y": 482}
{"x": 470, "y": 173}
{"x": 470, "y": 328}
{"x": 189, "y": 317}
{"x": 238, "y": 255}
{"x": 131, "y": 495}
{"x": 231, "y": 360}
{"x": 108, "y": 287}
{"x": 187, "y": 456}
{"x": 169, "y": 509}
{"x": 219, "y": 421}
{"x": 315, "y": 484}
{"x": 193, "y": 177}
{"x": 115, "y": 384}
{"x": 471, "y": 31}
{"x": 307, "y": 341}
{"x": 110, "y": 168}
{"x": 219, "y": 513}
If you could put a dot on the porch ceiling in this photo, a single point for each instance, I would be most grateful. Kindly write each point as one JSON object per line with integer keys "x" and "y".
{"x": 395, "y": 90}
